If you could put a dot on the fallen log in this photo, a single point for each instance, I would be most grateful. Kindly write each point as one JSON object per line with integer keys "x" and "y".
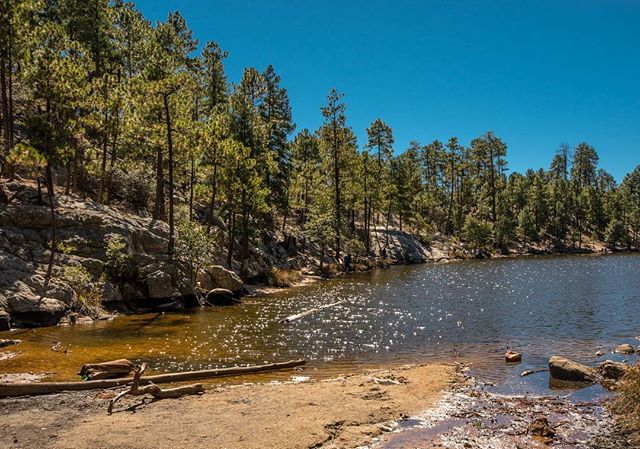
{"x": 113, "y": 369}
{"x": 153, "y": 390}
{"x": 36, "y": 388}
{"x": 297, "y": 316}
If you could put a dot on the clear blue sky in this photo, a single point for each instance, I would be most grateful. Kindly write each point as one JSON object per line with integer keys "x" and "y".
{"x": 536, "y": 72}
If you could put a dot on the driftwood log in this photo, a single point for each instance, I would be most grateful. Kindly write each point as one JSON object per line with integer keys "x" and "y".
{"x": 297, "y": 316}
{"x": 35, "y": 388}
{"x": 106, "y": 370}
{"x": 169, "y": 393}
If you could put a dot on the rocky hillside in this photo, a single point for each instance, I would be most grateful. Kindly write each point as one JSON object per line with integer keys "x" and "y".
{"x": 84, "y": 230}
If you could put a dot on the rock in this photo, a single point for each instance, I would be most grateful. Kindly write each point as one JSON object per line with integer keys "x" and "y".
{"x": 540, "y": 427}
{"x": 159, "y": 284}
{"x": 612, "y": 370}
{"x": 5, "y": 321}
{"x": 565, "y": 369}
{"x": 30, "y": 311}
{"x": 111, "y": 295}
{"x": 513, "y": 357}
{"x": 220, "y": 297}
{"x": 599, "y": 353}
{"x": 624, "y": 349}
{"x": 4, "y": 343}
{"x": 84, "y": 320}
{"x": 223, "y": 278}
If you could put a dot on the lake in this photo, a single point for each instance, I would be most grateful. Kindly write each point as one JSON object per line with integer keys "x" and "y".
{"x": 471, "y": 310}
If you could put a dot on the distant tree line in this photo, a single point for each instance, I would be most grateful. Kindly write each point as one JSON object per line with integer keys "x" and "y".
{"x": 100, "y": 101}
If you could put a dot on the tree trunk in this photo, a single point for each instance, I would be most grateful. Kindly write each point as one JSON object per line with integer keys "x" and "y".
{"x": 191, "y": 181}
{"x": 6, "y": 122}
{"x": 171, "y": 242}
{"x": 51, "y": 195}
{"x": 336, "y": 180}
{"x": 105, "y": 144}
{"x": 158, "y": 208}
{"x": 245, "y": 226}
{"x": 232, "y": 231}
{"x": 214, "y": 192}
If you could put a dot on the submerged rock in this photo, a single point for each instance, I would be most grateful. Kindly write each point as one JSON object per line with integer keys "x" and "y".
{"x": 624, "y": 349}
{"x": 513, "y": 357}
{"x": 4, "y": 343}
{"x": 220, "y": 297}
{"x": 564, "y": 369}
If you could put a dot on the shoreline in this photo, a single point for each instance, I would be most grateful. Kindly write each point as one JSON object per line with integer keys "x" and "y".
{"x": 344, "y": 412}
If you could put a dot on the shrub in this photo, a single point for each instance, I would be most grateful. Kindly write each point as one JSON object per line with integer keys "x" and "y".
{"x": 88, "y": 292}
{"x": 119, "y": 262}
{"x": 477, "y": 232}
{"x": 132, "y": 188}
{"x": 195, "y": 247}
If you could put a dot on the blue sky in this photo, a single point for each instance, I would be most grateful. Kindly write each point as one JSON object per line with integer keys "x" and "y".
{"x": 537, "y": 73}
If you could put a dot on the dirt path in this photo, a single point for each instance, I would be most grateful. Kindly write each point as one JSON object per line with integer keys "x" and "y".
{"x": 338, "y": 413}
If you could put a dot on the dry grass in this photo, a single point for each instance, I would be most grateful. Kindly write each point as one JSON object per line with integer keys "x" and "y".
{"x": 626, "y": 404}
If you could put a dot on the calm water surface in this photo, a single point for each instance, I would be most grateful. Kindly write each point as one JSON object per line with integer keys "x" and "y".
{"x": 540, "y": 306}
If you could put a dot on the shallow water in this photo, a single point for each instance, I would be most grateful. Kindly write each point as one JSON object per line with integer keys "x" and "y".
{"x": 539, "y": 306}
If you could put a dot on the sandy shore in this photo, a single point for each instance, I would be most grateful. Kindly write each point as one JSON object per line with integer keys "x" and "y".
{"x": 338, "y": 413}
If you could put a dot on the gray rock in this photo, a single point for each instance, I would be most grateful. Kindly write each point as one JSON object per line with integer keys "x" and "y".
{"x": 624, "y": 349}
{"x": 159, "y": 284}
{"x": 84, "y": 320}
{"x": 111, "y": 295}
{"x": 216, "y": 276}
{"x": 33, "y": 311}
{"x": 564, "y": 369}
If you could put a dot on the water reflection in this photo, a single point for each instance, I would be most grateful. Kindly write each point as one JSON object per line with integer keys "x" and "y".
{"x": 540, "y": 306}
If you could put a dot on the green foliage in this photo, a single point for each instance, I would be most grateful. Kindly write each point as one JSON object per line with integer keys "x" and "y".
{"x": 616, "y": 233}
{"x": 195, "y": 248}
{"x": 87, "y": 290}
{"x": 119, "y": 264}
{"x": 130, "y": 113}
{"x": 477, "y": 232}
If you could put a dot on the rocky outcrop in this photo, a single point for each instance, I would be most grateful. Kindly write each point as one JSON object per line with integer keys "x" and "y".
{"x": 564, "y": 369}
{"x": 83, "y": 229}
{"x": 401, "y": 247}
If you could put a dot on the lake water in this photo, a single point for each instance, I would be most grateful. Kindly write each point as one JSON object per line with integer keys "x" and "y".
{"x": 540, "y": 306}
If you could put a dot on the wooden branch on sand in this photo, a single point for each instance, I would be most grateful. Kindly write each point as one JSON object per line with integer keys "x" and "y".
{"x": 291, "y": 318}
{"x": 34, "y": 388}
{"x": 170, "y": 393}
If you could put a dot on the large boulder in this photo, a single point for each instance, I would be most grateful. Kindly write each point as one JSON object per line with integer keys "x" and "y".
{"x": 564, "y": 369}
{"x": 112, "y": 296}
{"x": 159, "y": 284}
{"x": 217, "y": 276}
{"x": 31, "y": 311}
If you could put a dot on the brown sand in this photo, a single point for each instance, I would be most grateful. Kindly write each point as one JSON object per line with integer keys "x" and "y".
{"x": 339, "y": 413}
